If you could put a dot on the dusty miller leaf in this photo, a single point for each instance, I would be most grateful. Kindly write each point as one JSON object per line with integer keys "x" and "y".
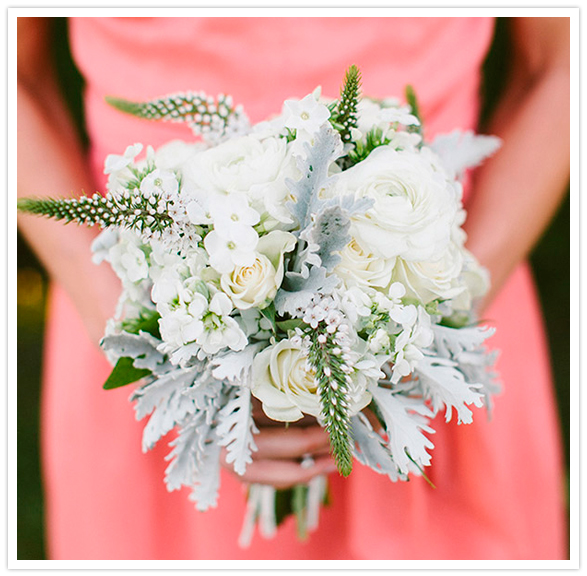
{"x": 461, "y": 150}
{"x": 329, "y": 231}
{"x": 205, "y": 490}
{"x": 326, "y": 149}
{"x": 236, "y": 428}
{"x": 141, "y": 347}
{"x": 187, "y": 453}
{"x": 301, "y": 291}
{"x": 371, "y": 450}
{"x": 405, "y": 420}
{"x": 233, "y": 366}
{"x": 446, "y": 387}
{"x": 164, "y": 398}
{"x": 451, "y": 342}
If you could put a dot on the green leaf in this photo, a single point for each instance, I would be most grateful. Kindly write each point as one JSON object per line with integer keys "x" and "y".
{"x": 283, "y": 507}
{"x": 269, "y": 313}
{"x": 413, "y": 103}
{"x": 299, "y": 504}
{"x": 148, "y": 321}
{"x": 124, "y": 373}
{"x": 134, "y": 108}
{"x": 287, "y": 325}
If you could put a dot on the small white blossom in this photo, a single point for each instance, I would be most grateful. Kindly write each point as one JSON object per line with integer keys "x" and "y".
{"x": 232, "y": 210}
{"x": 306, "y": 114}
{"x": 231, "y": 247}
{"x": 162, "y": 182}
{"x": 116, "y": 163}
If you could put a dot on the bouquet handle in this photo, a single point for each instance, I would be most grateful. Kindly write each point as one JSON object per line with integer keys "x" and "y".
{"x": 268, "y": 507}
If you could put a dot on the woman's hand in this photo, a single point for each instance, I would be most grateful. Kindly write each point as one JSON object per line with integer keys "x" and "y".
{"x": 286, "y": 456}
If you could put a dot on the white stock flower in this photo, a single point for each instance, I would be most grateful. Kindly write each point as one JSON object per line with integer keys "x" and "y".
{"x": 162, "y": 182}
{"x": 232, "y": 210}
{"x": 116, "y": 163}
{"x": 220, "y": 329}
{"x": 257, "y": 284}
{"x": 307, "y": 114}
{"x": 409, "y": 345}
{"x": 231, "y": 247}
{"x": 116, "y": 167}
{"x": 128, "y": 259}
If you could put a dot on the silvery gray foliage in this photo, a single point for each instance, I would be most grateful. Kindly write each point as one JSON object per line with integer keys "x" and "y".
{"x": 370, "y": 449}
{"x": 164, "y": 400}
{"x": 302, "y": 290}
{"x": 445, "y": 386}
{"x": 314, "y": 166}
{"x": 205, "y": 490}
{"x": 236, "y": 427}
{"x": 235, "y": 366}
{"x": 461, "y": 150}
{"x": 478, "y": 366}
{"x": 195, "y": 461}
{"x": 207, "y": 393}
{"x": 142, "y": 347}
{"x": 451, "y": 342}
{"x": 405, "y": 421}
{"x": 329, "y": 230}
{"x": 187, "y": 453}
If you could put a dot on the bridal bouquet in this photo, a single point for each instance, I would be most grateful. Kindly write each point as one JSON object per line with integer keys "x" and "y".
{"x": 315, "y": 262}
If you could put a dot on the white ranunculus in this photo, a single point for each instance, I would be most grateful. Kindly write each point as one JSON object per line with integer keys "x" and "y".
{"x": 256, "y": 285}
{"x": 476, "y": 281}
{"x": 427, "y": 281}
{"x": 247, "y": 165}
{"x": 414, "y": 209}
{"x": 359, "y": 267}
{"x": 176, "y": 154}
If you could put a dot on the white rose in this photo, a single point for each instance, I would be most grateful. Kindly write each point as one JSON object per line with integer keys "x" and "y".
{"x": 283, "y": 383}
{"x": 246, "y": 165}
{"x": 256, "y": 285}
{"x": 415, "y": 204}
{"x": 359, "y": 267}
{"x": 286, "y": 385}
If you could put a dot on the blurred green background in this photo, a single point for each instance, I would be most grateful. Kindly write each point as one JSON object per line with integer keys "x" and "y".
{"x": 550, "y": 261}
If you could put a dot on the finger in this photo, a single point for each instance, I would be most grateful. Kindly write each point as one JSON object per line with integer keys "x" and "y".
{"x": 287, "y": 443}
{"x": 284, "y": 474}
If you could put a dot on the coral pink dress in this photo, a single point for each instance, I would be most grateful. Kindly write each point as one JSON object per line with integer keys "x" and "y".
{"x": 499, "y": 487}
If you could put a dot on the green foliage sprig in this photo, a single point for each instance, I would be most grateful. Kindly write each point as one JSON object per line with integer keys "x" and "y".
{"x": 132, "y": 211}
{"x": 345, "y": 112}
{"x": 327, "y": 359}
{"x": 203, "y": 113}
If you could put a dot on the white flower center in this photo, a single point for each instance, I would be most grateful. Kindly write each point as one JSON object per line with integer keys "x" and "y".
{"x": 231, "y": 245}
{"x": 305, "y": 116}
